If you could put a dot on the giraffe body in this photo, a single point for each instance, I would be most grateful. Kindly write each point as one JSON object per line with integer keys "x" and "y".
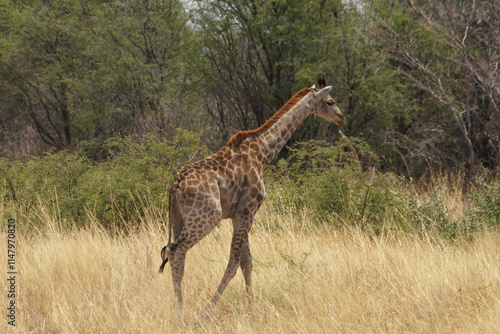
{"x": 229, "y": 184}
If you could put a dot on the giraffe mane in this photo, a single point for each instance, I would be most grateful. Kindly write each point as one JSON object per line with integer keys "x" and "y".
{"x": 238, "y": 137}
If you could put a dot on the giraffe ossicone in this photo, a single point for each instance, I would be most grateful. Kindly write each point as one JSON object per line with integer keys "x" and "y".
{"x": 229, "y": 184}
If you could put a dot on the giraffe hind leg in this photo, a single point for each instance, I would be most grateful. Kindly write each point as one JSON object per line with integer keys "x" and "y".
{"x": 178, "y": 249}
{"x": 177, "y": 268}
{"x": 193, "y": 215}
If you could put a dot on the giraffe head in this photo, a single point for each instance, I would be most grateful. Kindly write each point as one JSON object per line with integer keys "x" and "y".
{"x": 323, "y": 105}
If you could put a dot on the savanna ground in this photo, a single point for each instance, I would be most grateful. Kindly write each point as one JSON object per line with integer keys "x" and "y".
{"x": 308, "y": 278}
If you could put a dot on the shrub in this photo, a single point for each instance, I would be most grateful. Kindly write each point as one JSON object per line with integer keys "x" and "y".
{"x": 431, "y": 219}
{"x": 338, "y": 185}
{"x": 452, "y": 211}
{"x": 487, "y": 204}
{"x": 134, "y": 183}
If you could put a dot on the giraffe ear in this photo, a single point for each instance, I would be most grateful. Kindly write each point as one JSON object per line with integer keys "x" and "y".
{"x": 323, "y": 93}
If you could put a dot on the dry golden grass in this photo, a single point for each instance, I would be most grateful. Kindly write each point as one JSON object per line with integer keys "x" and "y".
{"x": 307, "y": 279}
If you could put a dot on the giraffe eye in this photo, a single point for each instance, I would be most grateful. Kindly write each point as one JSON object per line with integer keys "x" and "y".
{"x": 330, "y": 102}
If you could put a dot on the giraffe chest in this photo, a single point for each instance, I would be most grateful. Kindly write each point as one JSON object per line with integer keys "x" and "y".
{"x": 239, "y": 191}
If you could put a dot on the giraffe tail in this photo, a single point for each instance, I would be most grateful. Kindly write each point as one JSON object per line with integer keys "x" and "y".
{"x": 165, "y": 252}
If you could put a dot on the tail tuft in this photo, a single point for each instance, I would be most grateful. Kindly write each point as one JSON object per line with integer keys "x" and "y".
{"x": 163, "y": 265}
{"x": 165, "y": 252}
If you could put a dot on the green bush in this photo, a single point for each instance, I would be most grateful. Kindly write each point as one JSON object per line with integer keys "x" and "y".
{"x": 431, "y": 220}
{"x": 480, "y": 210}
{"x": 487, "y": 204}
{"x": 134, "y": 183}
{"x": 334, "y": 184}
{"x": 338, "y": 184}
{"x": 51, "y": 181}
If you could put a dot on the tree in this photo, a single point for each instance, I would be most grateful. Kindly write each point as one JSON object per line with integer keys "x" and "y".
{"x": 367, "y": 91}
{"x": 40, "y": 56}
{"x": 460, "y": 74}
{"x": 81, "y": 72}
{"x": 252, "y": 52}
{"x": 153, "y": 48}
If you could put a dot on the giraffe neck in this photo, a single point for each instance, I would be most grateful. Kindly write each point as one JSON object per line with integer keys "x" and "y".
{"x": 274, "y": 138}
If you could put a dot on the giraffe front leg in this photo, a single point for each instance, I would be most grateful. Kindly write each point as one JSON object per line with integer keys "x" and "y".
{"x": 232, "y": 267}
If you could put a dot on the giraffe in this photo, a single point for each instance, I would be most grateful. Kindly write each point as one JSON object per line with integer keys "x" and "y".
{"x": 229, "y": 184}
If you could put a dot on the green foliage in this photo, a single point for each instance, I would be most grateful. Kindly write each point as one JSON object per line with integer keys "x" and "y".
{"x": 117, "y": 192}
{"x": 487, "y": 200}
{"x": 252, "y": 53}
{"x": 335, "y": 186}
{"x": 338, "y": 186}
{"x": 435, "y": 217}
{"x": 80, "y": 72}
{"x": 332, "y": 184}
{"x": 431, "y": 219}
{"x": 75, "y": 73}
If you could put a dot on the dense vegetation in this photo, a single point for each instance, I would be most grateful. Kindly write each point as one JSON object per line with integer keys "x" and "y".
{"x": 102, "y": 102}
{"x": 319, "y": 180}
